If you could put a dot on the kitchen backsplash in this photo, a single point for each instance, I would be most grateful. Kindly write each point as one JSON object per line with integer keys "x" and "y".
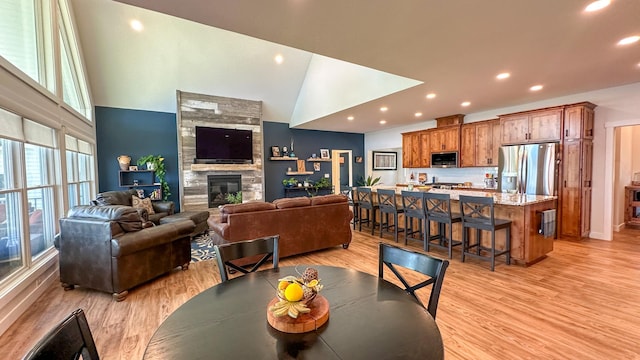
{"x": 475, "y": 175}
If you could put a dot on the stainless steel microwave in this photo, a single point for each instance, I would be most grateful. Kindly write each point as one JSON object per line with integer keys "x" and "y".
{"x": 444, "y": 159}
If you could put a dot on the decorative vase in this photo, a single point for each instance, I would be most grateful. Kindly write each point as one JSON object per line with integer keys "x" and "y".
{"x": 151, "y": 166}
{"x": 124, "y": 161}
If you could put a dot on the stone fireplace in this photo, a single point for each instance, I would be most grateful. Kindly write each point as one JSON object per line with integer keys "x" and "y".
{"x": 220, "y": 112}
{"x": 219, "y": 186}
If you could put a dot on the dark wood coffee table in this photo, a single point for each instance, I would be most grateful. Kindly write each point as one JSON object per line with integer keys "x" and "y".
{"x": 369, "y": 318}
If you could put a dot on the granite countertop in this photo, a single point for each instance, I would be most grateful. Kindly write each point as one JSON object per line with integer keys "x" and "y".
{"x": 498, "y": 198}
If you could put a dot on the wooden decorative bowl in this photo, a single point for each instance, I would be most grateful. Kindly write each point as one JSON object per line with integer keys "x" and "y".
{"x": 310, "y": 321}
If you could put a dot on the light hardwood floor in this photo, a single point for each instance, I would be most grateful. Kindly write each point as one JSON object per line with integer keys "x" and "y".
{"x": 581, "y": 302}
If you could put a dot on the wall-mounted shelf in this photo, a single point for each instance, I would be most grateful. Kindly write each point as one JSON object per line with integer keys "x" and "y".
{"x": 283, "y": 158}
{"x": 142, "y": 177}
{"x": 299, "y": 173}
{"x": 318, "y": 160}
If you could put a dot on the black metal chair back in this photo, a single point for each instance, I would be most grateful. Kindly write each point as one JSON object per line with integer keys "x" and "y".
{"x": 69, "y": 340}
{"x": 365, "y": 198}
{"x": 353, "y": 202}
{"x": 477, "y": 211}
{"x": 413, "y": 204}
{"x": 388, "y": 206}
{"x": 226, "y": 253}
{"x": 387, "y": 200}
{"x": 438, "y": 206}
{"x": 434, "y": 268}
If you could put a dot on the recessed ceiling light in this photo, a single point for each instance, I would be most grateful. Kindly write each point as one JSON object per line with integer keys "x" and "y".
{"x": 597, "y": 5}
{"x": 536, "y": 88}
{"x": 503, "y": 75}
{"x": 278, "y": 59}
{"x": 383, "y": 109}
{"x": 466, "y": 103}
{"x": 382, "y": 122}
{"x": 629, "y": 40}
{"x": 136, "y": 25}
{"x": 350, "y": 118}
{"x": 431, "y": 96}
{"x": 418, "y": 114}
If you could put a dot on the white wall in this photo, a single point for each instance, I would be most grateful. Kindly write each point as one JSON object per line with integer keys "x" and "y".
{"x": 618, "y": 106}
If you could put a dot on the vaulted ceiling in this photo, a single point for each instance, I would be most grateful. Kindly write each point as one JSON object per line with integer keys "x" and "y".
{"x": 350, "y": 58}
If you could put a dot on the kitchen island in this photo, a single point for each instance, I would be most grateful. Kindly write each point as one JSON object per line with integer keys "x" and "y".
{"x": 528, "y": 245}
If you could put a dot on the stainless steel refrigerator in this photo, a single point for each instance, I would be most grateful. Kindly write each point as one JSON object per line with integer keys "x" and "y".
{"x": 528, "y": 169}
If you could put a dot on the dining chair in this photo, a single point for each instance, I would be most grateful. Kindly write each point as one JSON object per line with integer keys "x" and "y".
{"x": 478, "y": 213}
{"x": 68, "y": 340}
{"x": 413, "y": 204}
{"x": 353, "y": 202}
{"x": 365, "y": 202}
{"x": 433, "y": 267}
{"x": 388, "y": 206}
{"x": 226, "y": 253}
{"x": 438, "y": 207}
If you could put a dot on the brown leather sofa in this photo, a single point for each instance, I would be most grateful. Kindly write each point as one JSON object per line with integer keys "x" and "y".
{"x": 304, "y": 224}
{"x": 108, "y": 248}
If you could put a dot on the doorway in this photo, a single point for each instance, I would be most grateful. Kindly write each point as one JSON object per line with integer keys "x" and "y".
{"x": 342, "y": 169}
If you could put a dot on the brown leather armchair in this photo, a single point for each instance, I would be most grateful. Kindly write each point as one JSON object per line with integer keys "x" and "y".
{"x": 108, "y": 248}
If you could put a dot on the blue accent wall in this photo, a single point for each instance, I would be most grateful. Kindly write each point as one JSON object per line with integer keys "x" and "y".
{"x": 135, "y": 133}
{"x": 138, "y": 133}
{"x": 306, "y": 143}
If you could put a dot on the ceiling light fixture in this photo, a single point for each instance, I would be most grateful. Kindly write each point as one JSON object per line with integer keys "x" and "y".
{"x": 629, "y": 40}
{"x": 382, "y": 122}
{"x": 136, "y": 25}
{"x": 350, "y": 118}
{"x": 466, "y": 103}
{"x": 597, "y": 5}
{"x": 418, "y": 114}
{"x": 279, "y": 59}
{"x": 431, "y": 96}
{"x": 536, "y": 88}
{"x": 503, "y": 76}
{"x": 384, "y": 108}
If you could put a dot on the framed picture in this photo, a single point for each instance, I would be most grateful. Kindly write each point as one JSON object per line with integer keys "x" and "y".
{"x": 384, "y": 160}
{"x": 358, "y": 159}
{"x": 324, "y": 154}
{"x": 133, "y": 168}
{"x": 275, "y": 151}
{"x": 316, "y": 166}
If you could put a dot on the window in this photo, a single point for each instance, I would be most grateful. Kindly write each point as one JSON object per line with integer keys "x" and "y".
{"x": 25, "y": 39}
{"x": 79, "y": 171}
{"x": 74, "y": 86}
{"x": 11, "y": 233}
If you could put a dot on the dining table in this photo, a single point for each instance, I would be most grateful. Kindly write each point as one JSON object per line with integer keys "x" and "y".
{"x": 369, "y": 318}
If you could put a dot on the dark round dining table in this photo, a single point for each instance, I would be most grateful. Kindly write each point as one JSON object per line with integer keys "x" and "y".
{"x": 369, "y": 318}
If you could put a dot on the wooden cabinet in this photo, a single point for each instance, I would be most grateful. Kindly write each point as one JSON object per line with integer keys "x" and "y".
{"x": 488, "y": 141}
{"x": 578, "y": 121}
{"x": 468, "y": 145}
{"x": 480, "y": 143}
{"x": 575, "y": 190}
{"x": 532, "y": 126}
{"x": 415, "y": 149}
{"x": 445, "y": 139}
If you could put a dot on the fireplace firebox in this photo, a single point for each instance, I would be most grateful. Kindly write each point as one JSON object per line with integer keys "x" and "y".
{"x": 219, "y": 186}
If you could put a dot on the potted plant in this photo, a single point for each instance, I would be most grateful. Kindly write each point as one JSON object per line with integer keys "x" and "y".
{"x": 321, "y": 184}
{"x": 156, "y": 163}
{"x": 370, "y": 181}
{"x": 290, "y": 182}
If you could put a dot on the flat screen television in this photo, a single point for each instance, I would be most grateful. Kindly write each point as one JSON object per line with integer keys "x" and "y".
{"x": 223, "y": 146}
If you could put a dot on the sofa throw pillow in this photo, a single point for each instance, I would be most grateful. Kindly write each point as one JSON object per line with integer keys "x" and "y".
{"x": 142, "y": 204}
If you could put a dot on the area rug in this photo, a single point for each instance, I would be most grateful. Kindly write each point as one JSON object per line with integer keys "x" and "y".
{"x": 202, "y": 248}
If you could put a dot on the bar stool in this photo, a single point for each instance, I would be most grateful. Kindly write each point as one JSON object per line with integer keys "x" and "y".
{"x": 439, "y": 210}
{"x": 353, "y": 202}
{"x": 478, "y": 213}
{"x": 388, "y": 206}
{"x": 365, "y": 202}
{"x": 413, "y": 204}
